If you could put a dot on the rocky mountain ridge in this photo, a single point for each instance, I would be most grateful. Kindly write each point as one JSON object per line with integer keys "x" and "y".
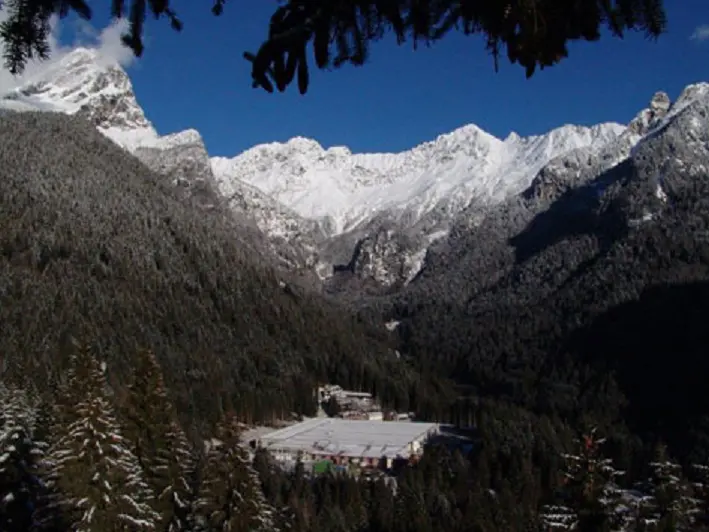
{"x": 591, "y": 281}
{"x": 455, "y": 168}
{"x": 352, "y": 218}
{"x": 380, "y": 212}
{"x": 628, "y": 185}
{"x": 85, "y": 84}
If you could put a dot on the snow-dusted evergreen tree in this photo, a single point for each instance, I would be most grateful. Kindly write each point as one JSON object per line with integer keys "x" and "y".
{"x": 99, "y": 482}
{"x": 230, "y": 496}
{"x": 157, "y": 439}
{"x": 20, "y": 454}
{"x": 701, "y": 492}
{"x": 674, "y": 506}
{"x": 269, "y": 472}
{"x": 48, "y": 516}
{"x": 590, "y": 498}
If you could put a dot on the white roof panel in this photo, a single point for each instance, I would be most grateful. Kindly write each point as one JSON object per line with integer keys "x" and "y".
{"x": 364, "y": 438}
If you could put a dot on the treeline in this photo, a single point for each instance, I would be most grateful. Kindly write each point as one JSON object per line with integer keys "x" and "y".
{"x": 81, "y": 456}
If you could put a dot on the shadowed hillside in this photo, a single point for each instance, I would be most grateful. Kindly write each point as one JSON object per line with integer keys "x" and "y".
{"x": 566, "y": 300}
{"x": 656, "y": 347}
{"x": 95, "y": 246}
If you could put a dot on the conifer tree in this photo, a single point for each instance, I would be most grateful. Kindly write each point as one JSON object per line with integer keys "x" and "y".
{"x": 157, "y": 439}
{"x": 20, "y": 455}
{"x": 410, "y": 503}
{"x": 48, "y": 516}
{"x": 271, "y": 478}
{"x": 589, "y": 493}
{"x": 99, "y": 481}
{"x": 701, "y": 492}
{"x": 382, "y": 506}
{"x": 674, "y": 506}
{"x": 230, "y": 496}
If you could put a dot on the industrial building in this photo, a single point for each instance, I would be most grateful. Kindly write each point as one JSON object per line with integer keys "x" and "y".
{"x": 363, "y": 443}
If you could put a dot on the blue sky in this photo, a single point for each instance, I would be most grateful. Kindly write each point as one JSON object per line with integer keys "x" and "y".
{"x": 198, "y": 78}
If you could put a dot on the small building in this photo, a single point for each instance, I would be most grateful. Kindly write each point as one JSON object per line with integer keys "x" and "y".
{"x": 364, "y": 443}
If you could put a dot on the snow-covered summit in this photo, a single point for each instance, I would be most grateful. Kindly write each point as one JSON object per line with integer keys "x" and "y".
{"x": 85, "y": 83}
{"x": 455, "y": 168}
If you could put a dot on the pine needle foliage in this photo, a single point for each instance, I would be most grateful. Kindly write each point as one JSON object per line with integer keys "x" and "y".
{"x": 534, "y": 33}
{"x": 100, "y": 483}
{"x": 20, "y": 455}
{"x": 157, "y": 439}
{"x": 231, "y": 498}
{"x": 590, "y": 496}
{"x": 675, "y": 506}
{"x": 26, "y": 31}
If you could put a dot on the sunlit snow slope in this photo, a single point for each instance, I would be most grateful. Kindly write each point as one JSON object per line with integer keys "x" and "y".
{"x": 454, "y": 169}
{"x": 86, "y": 84}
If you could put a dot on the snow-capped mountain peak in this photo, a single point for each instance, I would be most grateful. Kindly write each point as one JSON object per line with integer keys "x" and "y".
{"x": 87, "y": 84}
{"x": 345, "y": 188}
{"x": 692, "y": 93}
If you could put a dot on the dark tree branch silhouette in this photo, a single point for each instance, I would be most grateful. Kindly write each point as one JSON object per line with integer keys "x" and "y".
{"x": 534, "y": 33}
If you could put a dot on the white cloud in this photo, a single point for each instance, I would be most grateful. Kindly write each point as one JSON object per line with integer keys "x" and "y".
{"x": 701, "y": 33}
{"x": 107, "y": 42}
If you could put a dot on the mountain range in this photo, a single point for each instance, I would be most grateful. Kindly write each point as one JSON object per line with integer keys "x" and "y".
{"x": 356, "y": 220}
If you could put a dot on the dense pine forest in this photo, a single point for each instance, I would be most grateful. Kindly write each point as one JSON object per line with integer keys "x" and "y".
{"x": 80, "y": 457}
{"x": 95, "y": 246}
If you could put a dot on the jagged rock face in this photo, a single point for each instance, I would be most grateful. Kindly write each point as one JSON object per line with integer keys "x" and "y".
{"x": 417, "y": 192}
{"x": 648, "y": 118}
{"x": 349, "y": 189}
{"x": 580, "y": 166}
{"x": 294, "y": 238}
{"x": 385, "y": 256}
{"x": 118, "y": 110}
{"x": 673, "y": 157}
{"x": 575, "y": 209}
{"x": 184, "y": 159}
{"x": 382, "y": 255}
{"x": 660, "y": 104}
{"x": 83, "y": 83}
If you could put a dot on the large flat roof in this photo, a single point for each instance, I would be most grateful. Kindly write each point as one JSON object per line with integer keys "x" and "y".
{"x": 333, "y": 436}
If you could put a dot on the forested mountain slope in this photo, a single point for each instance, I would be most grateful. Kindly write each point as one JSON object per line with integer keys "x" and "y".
{"x": 576, "y": 298}
{"x": 95, "y": 246}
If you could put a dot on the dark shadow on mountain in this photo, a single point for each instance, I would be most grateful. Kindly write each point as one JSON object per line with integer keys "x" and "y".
{"x": 350, "y": 266}
{"x": 657, "y": 348}
{"x": 573, "y": 213}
